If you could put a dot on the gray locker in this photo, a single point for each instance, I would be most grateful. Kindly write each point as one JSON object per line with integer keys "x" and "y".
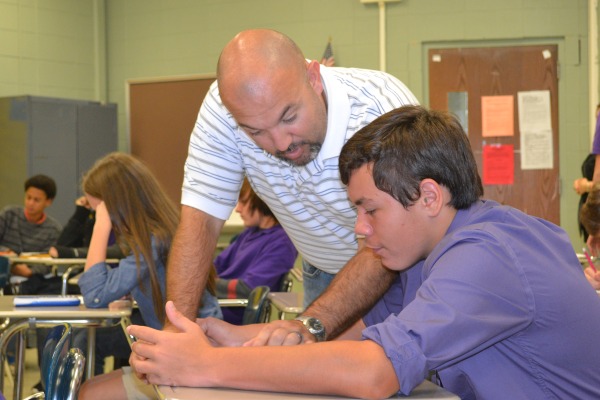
{"x": 58, "y": 137}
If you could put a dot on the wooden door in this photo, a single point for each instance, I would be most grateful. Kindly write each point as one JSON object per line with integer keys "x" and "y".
{"x": 162, "y": 113}
{"x": 499, "y": 71}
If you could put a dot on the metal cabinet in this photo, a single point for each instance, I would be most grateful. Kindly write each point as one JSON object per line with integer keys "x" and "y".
{"x": 57, "y": 137}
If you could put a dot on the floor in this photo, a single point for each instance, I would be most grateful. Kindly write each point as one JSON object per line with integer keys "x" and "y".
{"x": 32, "y": 375}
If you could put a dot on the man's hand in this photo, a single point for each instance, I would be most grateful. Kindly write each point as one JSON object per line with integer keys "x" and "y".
{"x": 282, "y": 333}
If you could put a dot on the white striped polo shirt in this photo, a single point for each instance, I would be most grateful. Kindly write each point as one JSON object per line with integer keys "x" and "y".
{"x": 310, "y": 201}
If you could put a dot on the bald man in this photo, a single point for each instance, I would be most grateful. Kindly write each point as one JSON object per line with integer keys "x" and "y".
{"x": 281, "y": 120}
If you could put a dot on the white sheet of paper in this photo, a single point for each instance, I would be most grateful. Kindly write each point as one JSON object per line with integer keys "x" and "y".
{"x": 535, "y": 125}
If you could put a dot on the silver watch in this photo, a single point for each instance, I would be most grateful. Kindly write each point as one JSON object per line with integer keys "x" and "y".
{"x": 314, "y": 326}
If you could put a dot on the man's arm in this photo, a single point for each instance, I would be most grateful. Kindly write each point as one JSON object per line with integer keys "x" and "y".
{"x": 190, "y": 259}
{"x": 353, "y": 292}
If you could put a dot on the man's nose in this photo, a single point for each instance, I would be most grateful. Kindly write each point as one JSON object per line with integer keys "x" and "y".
{"x": 282, "y": 140}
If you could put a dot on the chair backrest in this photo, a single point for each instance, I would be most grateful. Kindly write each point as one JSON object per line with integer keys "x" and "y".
{"x": 4, "y": 272}
{"x": 68, "y": 379}
{"x": 257, "y": 309}
{"x": 56, "y": 347}
{"x": 286, "y": 282}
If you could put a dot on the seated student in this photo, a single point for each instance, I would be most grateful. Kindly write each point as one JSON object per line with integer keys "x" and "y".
{"x": 590, "y": 218}
{"x": 261, "y": 255}
{"x": 73, "y": 242}
{"x": 129, "y": 201}
{"x": 502, "y": 309}
{"x": 29, "y": 228}
{"x": 74, "y": 239}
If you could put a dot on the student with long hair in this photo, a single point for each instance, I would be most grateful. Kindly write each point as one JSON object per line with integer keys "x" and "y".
{"x": 130, "y": 202}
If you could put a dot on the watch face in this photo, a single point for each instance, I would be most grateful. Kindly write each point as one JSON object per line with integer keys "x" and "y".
{"x": 315, "y": 324}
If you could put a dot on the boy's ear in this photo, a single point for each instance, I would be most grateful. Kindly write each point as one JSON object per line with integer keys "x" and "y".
{"x": 432, "y": 197}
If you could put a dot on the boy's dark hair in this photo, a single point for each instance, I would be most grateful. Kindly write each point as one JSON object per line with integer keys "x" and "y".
{"x": 247, "y": 195}
{"x": 589, "y": 215}
{"x": 409, "y": 144}
{"x": 44, "y": 183}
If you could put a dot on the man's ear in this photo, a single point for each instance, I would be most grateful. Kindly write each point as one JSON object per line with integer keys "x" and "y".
{"x": 432, "y": 196}
{"x": 314, "y": 76}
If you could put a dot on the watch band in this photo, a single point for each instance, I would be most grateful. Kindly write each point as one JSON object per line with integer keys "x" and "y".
{"x": 314, "y": 326}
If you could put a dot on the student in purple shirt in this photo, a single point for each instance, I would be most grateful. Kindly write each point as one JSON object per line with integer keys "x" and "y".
{"x": 261, "y": 255}
{"x": 491, "y": 302}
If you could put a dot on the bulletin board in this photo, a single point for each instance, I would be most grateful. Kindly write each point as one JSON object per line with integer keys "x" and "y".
{"x": 162, "y": 113}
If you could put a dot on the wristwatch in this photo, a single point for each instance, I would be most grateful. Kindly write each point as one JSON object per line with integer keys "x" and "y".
{"x": 314, "y": 326}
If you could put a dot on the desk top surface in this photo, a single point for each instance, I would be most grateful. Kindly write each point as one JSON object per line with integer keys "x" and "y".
{"x": 289, "y": 302}
{"x": 425, "y": 390}
{"x": 8, "y": 310}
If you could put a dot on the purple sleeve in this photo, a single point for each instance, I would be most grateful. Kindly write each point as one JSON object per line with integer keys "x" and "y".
{"x": 596, "y": 144}
{"x": 454, "y": 299}
{"x": 257, "y": 258}
{"x": 398, "y": 296}
{"x": 276, "y": 257}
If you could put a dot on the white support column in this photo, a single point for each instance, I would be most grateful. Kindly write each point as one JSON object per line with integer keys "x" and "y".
{"x": 593, "y": 62}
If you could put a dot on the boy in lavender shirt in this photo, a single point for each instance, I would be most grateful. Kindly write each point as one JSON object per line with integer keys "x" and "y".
{"x": 491, "y": 303}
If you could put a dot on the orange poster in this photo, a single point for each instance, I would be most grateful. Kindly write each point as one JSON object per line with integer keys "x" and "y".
{"x": 498, "y": 164}
{"x": 497, "y": 116}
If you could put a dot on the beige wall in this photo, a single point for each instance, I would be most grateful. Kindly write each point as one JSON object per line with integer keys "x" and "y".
{"x": 87, "y": 49}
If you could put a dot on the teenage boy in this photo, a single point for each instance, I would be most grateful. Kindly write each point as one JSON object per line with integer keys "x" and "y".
{"x": 29, "y": 228}
{"x": 502, "y": 309}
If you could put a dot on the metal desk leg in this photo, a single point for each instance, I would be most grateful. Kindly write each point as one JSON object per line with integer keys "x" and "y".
{"x": 19, "y": 329}
{"x": 19, "y": 365}
{"x": 91, "y": 352}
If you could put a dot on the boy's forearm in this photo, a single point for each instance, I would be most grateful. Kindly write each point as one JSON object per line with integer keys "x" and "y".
{"x": 353, "y": 292}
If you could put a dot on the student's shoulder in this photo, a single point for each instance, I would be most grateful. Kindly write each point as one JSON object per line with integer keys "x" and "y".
{"x": 11, "y": 210}
{"x": 53, "y": 223}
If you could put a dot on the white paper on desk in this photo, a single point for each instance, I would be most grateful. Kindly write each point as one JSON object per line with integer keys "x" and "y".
{"x": 535, "y": 126}
{"x": 46, "y": 301}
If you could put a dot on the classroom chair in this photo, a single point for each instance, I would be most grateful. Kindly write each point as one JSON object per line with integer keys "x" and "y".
{"x": 61, "y": 366}
{"x": 70, "y": 372}
{"x": 257, "y": 309}
{"x": 286, "y": 282}
{"x": 4, "y": 273}
{"x": 4, "y": 281}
